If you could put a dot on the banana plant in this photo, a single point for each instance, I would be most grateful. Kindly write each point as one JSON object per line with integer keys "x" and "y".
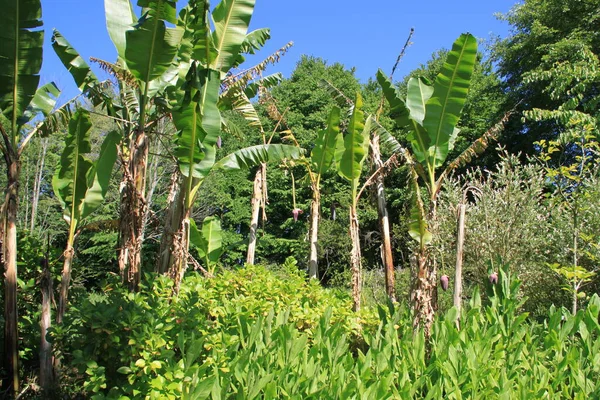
{"x": 20, "y": 101}
{"x": 430, "y": 114}
{"x": 196, "y": 114}
{"x": 147, "y": 65}
{"x": 208, "y": 241}
{"x": 350, "y": 158}
{"x": 80, "y": 185}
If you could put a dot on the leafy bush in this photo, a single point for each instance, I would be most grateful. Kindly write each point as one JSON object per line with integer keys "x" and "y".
{"x": 251, "y": 334}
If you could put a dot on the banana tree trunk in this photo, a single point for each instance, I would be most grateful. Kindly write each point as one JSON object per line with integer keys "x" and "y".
{"x": 384, "y": 223}
{"x": 460, "y": 241}
{"x": 37, "y": 183}
{"x": 133, "y": 208}
{"x": 46, "y": 371}
{"x": 315, "y": 211}
{"x": 355, "y": 258}
{"x": 9, "y": 257}
{"x": 425, "y": 284}
{"x": 65, "y": 282}
{"x": 257, "y": 198}
{"x": 424, "y": 293}
{"x": 173, "y": 221}
{"x": 179, "y": 250}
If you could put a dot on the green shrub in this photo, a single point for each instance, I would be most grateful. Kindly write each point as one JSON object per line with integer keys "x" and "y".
{"x": 255, "y": 333}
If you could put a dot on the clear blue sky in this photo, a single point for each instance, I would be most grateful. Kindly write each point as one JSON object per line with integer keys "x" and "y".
{"x": 364, "y": 35}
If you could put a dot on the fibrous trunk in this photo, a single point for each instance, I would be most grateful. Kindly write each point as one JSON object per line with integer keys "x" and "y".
{"x": 9, "y": 257}
{"x": 179, "y": 249}
{"x": 65, "y": 282}
{"x": 258, "y": 197}
{"x": 424, "y": 292}
{"x": 173, "y": 222}
{"x": 133, "y": 209}
{"x": 355, "y": 256}
{"x": 384, "y": 223}
{"x": 46, "y": 372}
{"x": 315, "y": 208}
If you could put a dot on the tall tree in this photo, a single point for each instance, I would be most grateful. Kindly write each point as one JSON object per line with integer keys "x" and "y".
{"x": 20, "y": 101}
{"x": 550, "y": 63}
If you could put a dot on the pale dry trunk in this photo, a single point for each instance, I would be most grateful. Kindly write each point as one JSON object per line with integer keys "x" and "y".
{"x": 173, "y": 220}
{"x": 315, "y": 211}
{"x": 384, "y": 223}
{"x": 180, "y": 246}
{"x": 9, "y": 258}
{"x": 460, "y": 241}
{"x": 64, "y": 283}
{"x": 355, "y": 259}
{"x": 257, "y": 200}
{"x": 46, "y": 370}
{"x": 39, "y": 175}
{"x": 424, "y": 293}
{"x": 133, "y": 210}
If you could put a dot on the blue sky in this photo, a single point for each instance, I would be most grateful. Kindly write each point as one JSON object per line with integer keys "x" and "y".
{"x": 364, "y": 35}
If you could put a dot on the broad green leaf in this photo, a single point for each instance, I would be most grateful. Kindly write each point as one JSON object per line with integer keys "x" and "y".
{"x": 99, "y": 175}
{"x": 43, "y": 102}
{"x": 251, "y": 156}
{"x": 198, "y": 120}
{"x": 150, "y": 48}
{"x": 162, "y": 9}
{"x": 196, "y": 239}
{"x": 449, "y": 95}
{"x": 211, "y": 232}
{"x": 398, "y": 112}
{"x": 70, "y": 179}
{"x": 231, "y": 19}
{"x": 417, "y": 226}
{"x": 20, "y": 57}
{"x": 119, "y": 19}
{"x": 350, "y": 164}
{"x": 75, "y": 64}
{"x": 255, "y": 40}
{"x": 324, "y": 150}
{"x": 202, "y": 41}
{"x": 418, "y": 93}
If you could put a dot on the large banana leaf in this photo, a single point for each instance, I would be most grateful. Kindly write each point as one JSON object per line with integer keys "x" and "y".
{"x": 325, "y": 145}
{"x": 20, "y": 57}
{"x": 251, "y": 156}
{"x": 151, "y": 47}
{"x": 208, "y": 241}
{"x": 80, "y": 184}
{"x": 75, "y": 64}
{"x": 119, "y": 19}
{"x": 255, "y": 40}
{"x": 43, "y": 102}
{"x": 70, "y": 180}
{"x": 399, "y": 113}
{"x": 99, "y": 175}
{"x": 198, "y": 121}
{"x": 356, "y": 143}
{"x": 449, "y": 95}
{"x": 418, "y": 93}
{"x": 231, "y": 19}
{"x": 202, "y": 43}
{"x": 162, "y": 9}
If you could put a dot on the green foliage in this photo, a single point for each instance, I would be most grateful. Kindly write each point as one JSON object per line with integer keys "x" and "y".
{"x": 20, "y": 58}
{"x": 208, "y": 241}
{"x": 550, "y": 64}
{"x": 222, "y": 338}
{"x": 79, "y": 183}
